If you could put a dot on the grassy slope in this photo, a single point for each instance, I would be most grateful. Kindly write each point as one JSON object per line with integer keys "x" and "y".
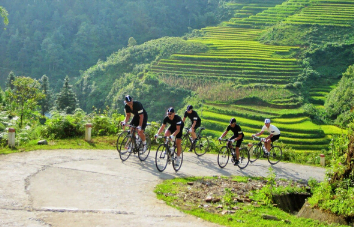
{"x": 236, "y": 55}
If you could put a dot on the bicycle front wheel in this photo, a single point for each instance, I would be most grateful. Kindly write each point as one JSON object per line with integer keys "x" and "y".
{"x": 177, "y": 167}
{"x": 120, "y": 138}
{"x": 223, "y": 156}
{"x": 161, "y": 158}
{"x": 244, "y": 158}
{"x": 126, "y": 148}
{"x": 275, "y": 155}
{"x": 255, "y": 153}
{"x": 186, "y": 143}
{"x": 143, "y": 155}
{"x": 201, "y": 146}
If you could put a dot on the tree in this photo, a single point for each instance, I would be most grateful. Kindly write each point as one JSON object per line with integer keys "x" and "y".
{"x": 131, "y": 42}
{"x": 45, "y": 103}
{"x": 4, "y": 14}
{"x": 10, "y": 79}
{"x": 24, "y": 97}
{"x": 66, "y": 99}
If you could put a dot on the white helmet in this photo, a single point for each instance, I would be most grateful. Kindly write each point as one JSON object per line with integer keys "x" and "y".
{"x": 266, "y": 121}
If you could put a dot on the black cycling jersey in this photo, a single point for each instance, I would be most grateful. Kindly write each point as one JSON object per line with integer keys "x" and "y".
{"x": 236, "y": 130}
{"x": 137, "y": 108}
{"x": 193, "y": 116}
{"x": 177, "y": 120}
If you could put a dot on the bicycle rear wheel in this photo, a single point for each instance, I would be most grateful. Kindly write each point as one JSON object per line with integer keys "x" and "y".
{"x": 176, "y": 168}
{"x": 223, "y": 156}
{"x": 126, "y": 148}
{"x": 275, "y": 155}
{"x": 244, "y": 158}
{"x": 161, "y": 158}
{"x": 256, "y": 153}
{"x": 201, "y": 146}
{"x": 186, "y": 143}
{"x": 144, "y": 155}
{"x": 120, "y": 138}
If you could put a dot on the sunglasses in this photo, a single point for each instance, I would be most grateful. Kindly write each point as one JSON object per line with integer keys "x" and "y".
{"x": 169, "y": 114}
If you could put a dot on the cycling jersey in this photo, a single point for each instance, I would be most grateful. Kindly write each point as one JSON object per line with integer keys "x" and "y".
{"x": 236, "y": 130}
{"x": 137, "y": 110}
{"x": 272, "y": 130}
{"x": 193, "y": 117}
{"x": 176, "y": 121}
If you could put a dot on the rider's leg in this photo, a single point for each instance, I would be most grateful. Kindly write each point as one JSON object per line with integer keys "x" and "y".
{"x": 267, "y": 145}
{"x": 194, "y": 136}
{"x": 237, "y": 153}
{"x": 179, "y": 146}
{"x": 142, "y": 136}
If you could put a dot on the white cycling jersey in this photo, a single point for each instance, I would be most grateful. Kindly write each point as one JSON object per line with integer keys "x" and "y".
{"x": 272, "y": 130}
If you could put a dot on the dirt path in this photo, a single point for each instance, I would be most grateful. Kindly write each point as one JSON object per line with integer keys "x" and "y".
{"x": 94, "y": 188}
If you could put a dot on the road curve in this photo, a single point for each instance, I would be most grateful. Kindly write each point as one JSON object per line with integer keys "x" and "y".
{"x": 95, "y": 188}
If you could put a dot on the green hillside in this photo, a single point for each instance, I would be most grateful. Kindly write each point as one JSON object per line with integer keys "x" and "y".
{"x": 240, "y": 76}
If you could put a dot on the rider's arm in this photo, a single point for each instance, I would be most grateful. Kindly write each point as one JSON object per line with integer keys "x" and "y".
{"x": 194, "y": 123}
{"x": 141, "y": 119}
{"x": 127, "y": 117}
{"x": 161, "y": 128}
{"x": 259, "y": 133}
{"x": 224, "y": 134}
{"x": 184, "y": 119}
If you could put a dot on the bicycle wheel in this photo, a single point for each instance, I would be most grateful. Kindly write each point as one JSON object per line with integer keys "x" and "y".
{"x": 143, "y": 155}
{"x": 201, "y": 146}
{"x": 126, "y": 148}
{"x": 256, "y": 153}
{"x": 186, "y": 143}
{"x": 176, "y": 168}
{"x": 119, "y": 139}
{"x": 223, "y": 156}
{"x": 244, "y": 158}
{"x": 275, "y": 155}
{"x": 161, "y": 158}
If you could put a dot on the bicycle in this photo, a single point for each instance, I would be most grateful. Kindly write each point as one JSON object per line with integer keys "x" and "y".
{"x": 274, "y": 156}
{"x": 200, "y": 144}
{"x": 166, "y": 154}
{"x": 224, "y": 154}
{"x": 132, "y": 144}
{"x": 121, "y": 135}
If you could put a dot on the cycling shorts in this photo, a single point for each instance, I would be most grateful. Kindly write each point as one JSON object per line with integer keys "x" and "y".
{"x": 136, "y": 119}
{"x": 238, "y": 142}
{"x": 172, "y": 129}
{"x": 274, "y": 138}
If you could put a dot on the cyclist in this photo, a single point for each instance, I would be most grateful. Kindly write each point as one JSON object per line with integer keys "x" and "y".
{"x": 238, "y": 136}
{"x": 195, "y": 119}
{"x": 174, "y": 131}
{"x": 140, "y": 117}
{"x": 274, "y": 134}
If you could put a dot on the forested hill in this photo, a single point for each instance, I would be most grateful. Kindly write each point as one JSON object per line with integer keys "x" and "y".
{"x": 60, "y": 38}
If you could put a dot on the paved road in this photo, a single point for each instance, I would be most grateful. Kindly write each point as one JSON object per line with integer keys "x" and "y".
{"x": 94, "y": 188}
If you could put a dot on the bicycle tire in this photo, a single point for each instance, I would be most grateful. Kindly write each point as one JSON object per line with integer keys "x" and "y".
{"x": 201, "y": 146}
{"x": 275, "y": 155}
{"x": 244, "y": 158}
{"x": 176, "y": 168}
{"x": 120, "y": 137}
{"x": 256, "y": 154}
{"x": 161, "y": 157}
{"x": 223, "y": 156}
{"x": 126, "y": 148}
{"x": 186, "y": 143}
{"x": 144, "y": 155}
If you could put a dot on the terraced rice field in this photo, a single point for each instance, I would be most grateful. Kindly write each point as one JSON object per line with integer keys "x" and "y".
{"x": 235, "y": 54}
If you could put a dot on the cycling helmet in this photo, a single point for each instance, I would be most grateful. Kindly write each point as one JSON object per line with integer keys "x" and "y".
{"x": 266, "y": 121}
{"x": 170, "y": 110}
{"x": 189, "y": 107}
{"x": 233, "y": 120}
{"x": 128, "y": 98}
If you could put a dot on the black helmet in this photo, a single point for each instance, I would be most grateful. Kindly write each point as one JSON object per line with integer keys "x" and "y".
{"x": 233, "y": 120}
